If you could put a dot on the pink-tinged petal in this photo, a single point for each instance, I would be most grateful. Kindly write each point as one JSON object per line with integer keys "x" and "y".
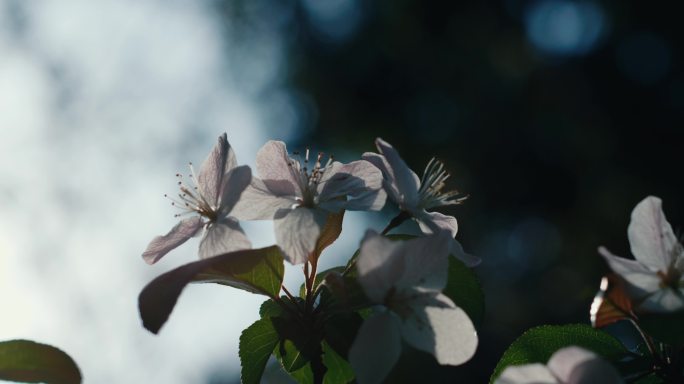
{"x": 650, "y": 235}
{"x": 273, "y": 167}
{"x": 431, "y": 222}
{"x": 161, "y": 245}
{"x": 376, "y": 349}
{"x": 442, "y": 329}
{"x": 297, "y": 230}
{"x": 406, "y": 180}
{"x": 426, "y": 262}
{"x": 378, "y": 265}
{"x": 258, "y": 203}
{"x": 221, "y": 159}
{"x": 663, "y": 301}
{"x": 355, "y": 186}
{"x": 467, "y": 259}
{"x": 388, "y": 182}
{"x": 527, "y": 374}
{"x": 575, "y": 365}
{"x": 640, "y": 280}
{"x": 234, "y": 183}
{"x": 223, "y": 237}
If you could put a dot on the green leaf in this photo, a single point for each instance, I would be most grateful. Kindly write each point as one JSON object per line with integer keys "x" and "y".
{"x": 291, "y": 358}
{"x": 256, "y": 345}
{"x": 340, "y": 331}
{"x": 320, "y": 277}
{"x": 665, "y": 327}
{"x": 303, "y": 375}
{"x": 463, "y": 288}
{"x": 30, "y": 362}
{"x": 254, "y": 270}
{"x": 339, "y": 370}
{"x": 270, "y": 308}
{"x": 539, "y": 343}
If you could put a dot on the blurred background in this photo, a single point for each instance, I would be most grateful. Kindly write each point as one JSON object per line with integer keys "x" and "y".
{"x": 556, "y": 117}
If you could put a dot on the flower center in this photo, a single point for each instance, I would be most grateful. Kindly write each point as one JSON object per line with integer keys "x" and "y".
{"x": 190, "y": 199}
{"x": 308, "y": 179}
{"x": 430, "y": 193}
{"x": 670, "y": 279}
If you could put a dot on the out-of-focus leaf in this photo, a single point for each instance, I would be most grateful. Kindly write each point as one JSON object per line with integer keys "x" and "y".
{"x": 299, "y": 342}
{"x": 254, "y": 270}
{"x": 611, "y": 303}
{"x": 539, "y": 343}
{"x": 665, "y": 327}
{"x": 463, "y": 288}
{"x": 270, "y": 308}
{"x": 303, "y": 375}
{"x": 339, "y": 370}
{"x": 30, "y": 362}
{"x": 256, "y": 345}
{"x": 291, "y": 358}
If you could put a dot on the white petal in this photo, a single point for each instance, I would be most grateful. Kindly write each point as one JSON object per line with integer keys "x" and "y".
{"x": 234, "y": 183}
{"x": 640, "y": 279}
{"x": 406, "y": 180}
{"x": 376, "y": 348}
{"x": 388, "y": 183}
{"x": 223, "y": 237}
{"x": 297, "y": 230}
{"x": 161, "y": 245}
{"x": 650, "y": 235}
{"x": 257, "y": 202}
{"x": 442, "y": 329}
{"x": 426, "y": 261}
{"x": 210, "y": 178}
{"x": 575, "y": 365}
{"x": 467, "y": 259}
{"x": 378, "y": 266}
{"x": 663, "y": 300}
{"x": 359, "y": 183}
{"x": 526, "y": 374}
{"x": 273, "y": 167}
{"x": 431, "y": 222}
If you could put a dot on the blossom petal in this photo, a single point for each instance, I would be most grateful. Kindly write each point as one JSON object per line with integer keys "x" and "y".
{"x": 376, "y": 349}
{"x": 378, "y": 266}
{"x": 179, "y": 234}
{"x": 650, "y": 235}
{"x": 257, "y": 202}
{"x": 663, "y": 301}
{"x": 222, "y": 237}
{"x": 577, "y": 365}
{"x": 406, "y": 180}
{"x": 234, "y": 183}
{"x": 526, "y": 374}
{"x": 467, "y": 259}
{"x": 273, "y": 166}
{"x": 431, "y": 222}
{"x": 636, "y": 274}
{"x": 442, "y": 329}
{"x": 210, "y": 178}
{"x": 297, "y": 231}
{"x": 359, "y": 183}
{"x": 388, "y": 181}
{"x": 425, "y": 262}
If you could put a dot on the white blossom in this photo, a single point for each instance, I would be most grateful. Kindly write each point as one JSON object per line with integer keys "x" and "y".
{"x": 406, "y": 279}
{"x": 656, "y": 278}
{"x": 299, "y": 195}
{"x": 570, "y": 365}
{"x": 210, "y": 198}
{"x": 415, "y": 196}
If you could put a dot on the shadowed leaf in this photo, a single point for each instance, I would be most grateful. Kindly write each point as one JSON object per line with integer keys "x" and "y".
{"x": 331, "y": 231}
{"x": 255, "y": 270}
{"x": 539, "y": 343}
{"x": 30, "y": 362}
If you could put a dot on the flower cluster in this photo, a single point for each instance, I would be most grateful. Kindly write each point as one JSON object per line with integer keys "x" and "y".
{"x": 400, "y": 281}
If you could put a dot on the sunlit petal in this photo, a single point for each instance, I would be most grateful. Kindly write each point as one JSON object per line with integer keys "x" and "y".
{"x": 222, "y": 237}
{"x": 297, "y": 230}
{"x": 407, "y": 181}
{"x": 578, "y": 365}
{"x": 258, "y": 203}
{"x": 650, "y": 235}
{"x": 234, "y": 183}
{"x": 527, "y": 374}
{"x": 210, "y": 178}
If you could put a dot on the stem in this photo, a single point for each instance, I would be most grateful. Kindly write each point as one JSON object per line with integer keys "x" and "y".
{"x": 287, "y": 293}
{"x": 396, "y": 221}
{"x": 647, "y": 339}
